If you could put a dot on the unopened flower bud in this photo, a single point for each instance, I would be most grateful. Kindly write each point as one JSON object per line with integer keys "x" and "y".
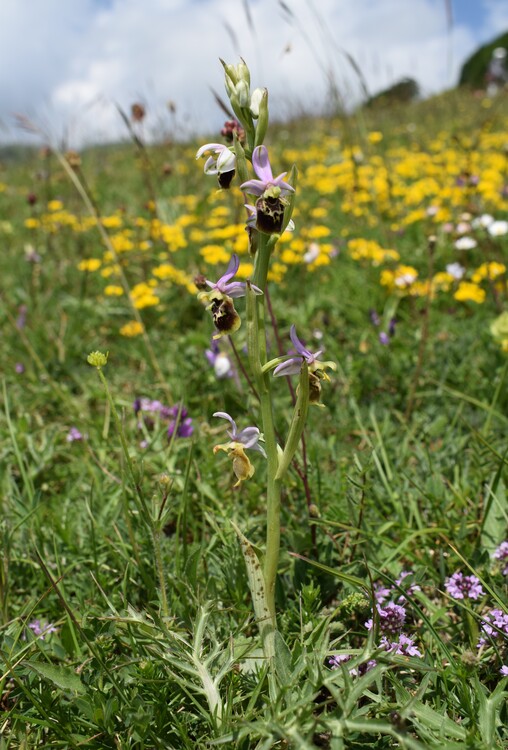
{"x": 73, "y": 159}
{"x": 200, "y": 282}
{"x": 259, "y": 109}
{"x": 137, "y": 112}
{"x": 255, "y": 101}
{"x": 97, "y": 359}
{"x": 469, "y": 658}
{"x": 241, "y": 94}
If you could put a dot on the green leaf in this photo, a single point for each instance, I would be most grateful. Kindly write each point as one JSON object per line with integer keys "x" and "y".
{"x": 495, "y": 518}
{"x": 63, "y": 677}
{"x": 282, "y": 659}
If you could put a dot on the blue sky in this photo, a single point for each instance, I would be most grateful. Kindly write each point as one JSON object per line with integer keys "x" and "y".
{"x": 65, "y": 64}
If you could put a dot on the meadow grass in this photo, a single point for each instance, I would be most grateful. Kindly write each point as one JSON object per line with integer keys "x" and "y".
{"x": 125, "y": 611}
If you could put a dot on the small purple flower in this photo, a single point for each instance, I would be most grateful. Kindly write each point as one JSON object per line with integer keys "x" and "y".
{"x": 391, "y": 618}
{"x": 74, "y": 435}
{"x": 249, "y": 437}
{"x": 410, "y": 589}
{"x": 225, "y": 286}
{"x": 404, "y": 646}
{"x": 219, "y": 361}
{"x": 31, "y": 254}
{"x": 460, "y": 586}
{"x": 262, "y": 168}
{"x": 176, "y": 416}
{"x": 381, "y": 593}
{"x": 21, "y": 319}
{"x": 181, "y": 422}
{"x": 494, "y": 626}
{"x": 40, "y": 628}
{"x": 501, "y": 554}
{"x": 334, "y": 662}
{"x": 374, "y": 318}
{"x": 504, "y": 670}
{"x": 384, "y": 338}
{"x": 19, "y": 368}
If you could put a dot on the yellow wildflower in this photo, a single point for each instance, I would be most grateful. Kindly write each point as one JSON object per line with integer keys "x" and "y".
{"x": 468, "y": 292}
{"x": 131, "y": 329}
{"x": 91, "y": 264}
{"x": 112, "y": 290}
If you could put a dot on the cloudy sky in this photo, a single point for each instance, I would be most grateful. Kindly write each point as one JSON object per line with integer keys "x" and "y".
{"x": 65, "y": 63}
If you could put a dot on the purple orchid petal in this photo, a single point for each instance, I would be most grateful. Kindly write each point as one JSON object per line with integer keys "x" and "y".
{"x": 254, "y": 187}
{"x": 234, "y": 289}
{"x": 299, "y": 347}
{"x": 237, "y": 289}
{"x": 289, "y": 367}
{"x": 261, "y": 164}
{"x": 231, "y": 270}
{"x": 225, "y": 415}
{"x": 249, "y": 437}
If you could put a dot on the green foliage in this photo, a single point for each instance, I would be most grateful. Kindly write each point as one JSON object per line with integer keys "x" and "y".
{"x": 474, "y": 70}
{"x": 130, "y": 551}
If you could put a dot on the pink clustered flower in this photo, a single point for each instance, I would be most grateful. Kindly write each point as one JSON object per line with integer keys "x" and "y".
{"x": 391, "y": 618}
{"x": 460, "y": 586}
{"x": 501, "y": 554}
{"x": 41, "y": 628}
{"x": 74, "y": 435}
{"x": 177, "y": 417}
{"x": 494, "y": 627}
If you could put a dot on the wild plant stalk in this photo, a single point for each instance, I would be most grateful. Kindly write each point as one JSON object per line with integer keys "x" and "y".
{"x": 154, "y": 522}
{"x": 269, "y": 218}
{"x": 93, "y": 210}
{"x": 424, "y": 333}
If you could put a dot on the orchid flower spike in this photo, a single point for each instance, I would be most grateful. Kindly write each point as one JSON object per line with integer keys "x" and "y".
{"x": 220, "y": 299}
{"x": 223, "y": 165}
{"x": 240, "y": 441}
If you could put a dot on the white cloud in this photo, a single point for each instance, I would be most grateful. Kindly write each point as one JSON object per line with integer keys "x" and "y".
{"x": 70, "y": 62}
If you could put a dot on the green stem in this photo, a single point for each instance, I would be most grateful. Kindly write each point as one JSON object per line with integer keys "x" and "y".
{"x": 140, "y": 500}
{"x": 156, "y": 539}
{"x": 257, "y": 358}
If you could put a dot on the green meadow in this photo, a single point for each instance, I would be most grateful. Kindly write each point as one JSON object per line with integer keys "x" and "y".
{"x": 127, "y": 617}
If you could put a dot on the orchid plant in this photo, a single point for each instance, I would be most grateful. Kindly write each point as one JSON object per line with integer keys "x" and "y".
{"x": 269, "y": 203}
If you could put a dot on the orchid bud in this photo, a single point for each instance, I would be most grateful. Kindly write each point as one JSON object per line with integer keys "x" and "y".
{"x": 255, "y": 101}
{"x": 259, "y": 109}
{"x": 242, "y": 94}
